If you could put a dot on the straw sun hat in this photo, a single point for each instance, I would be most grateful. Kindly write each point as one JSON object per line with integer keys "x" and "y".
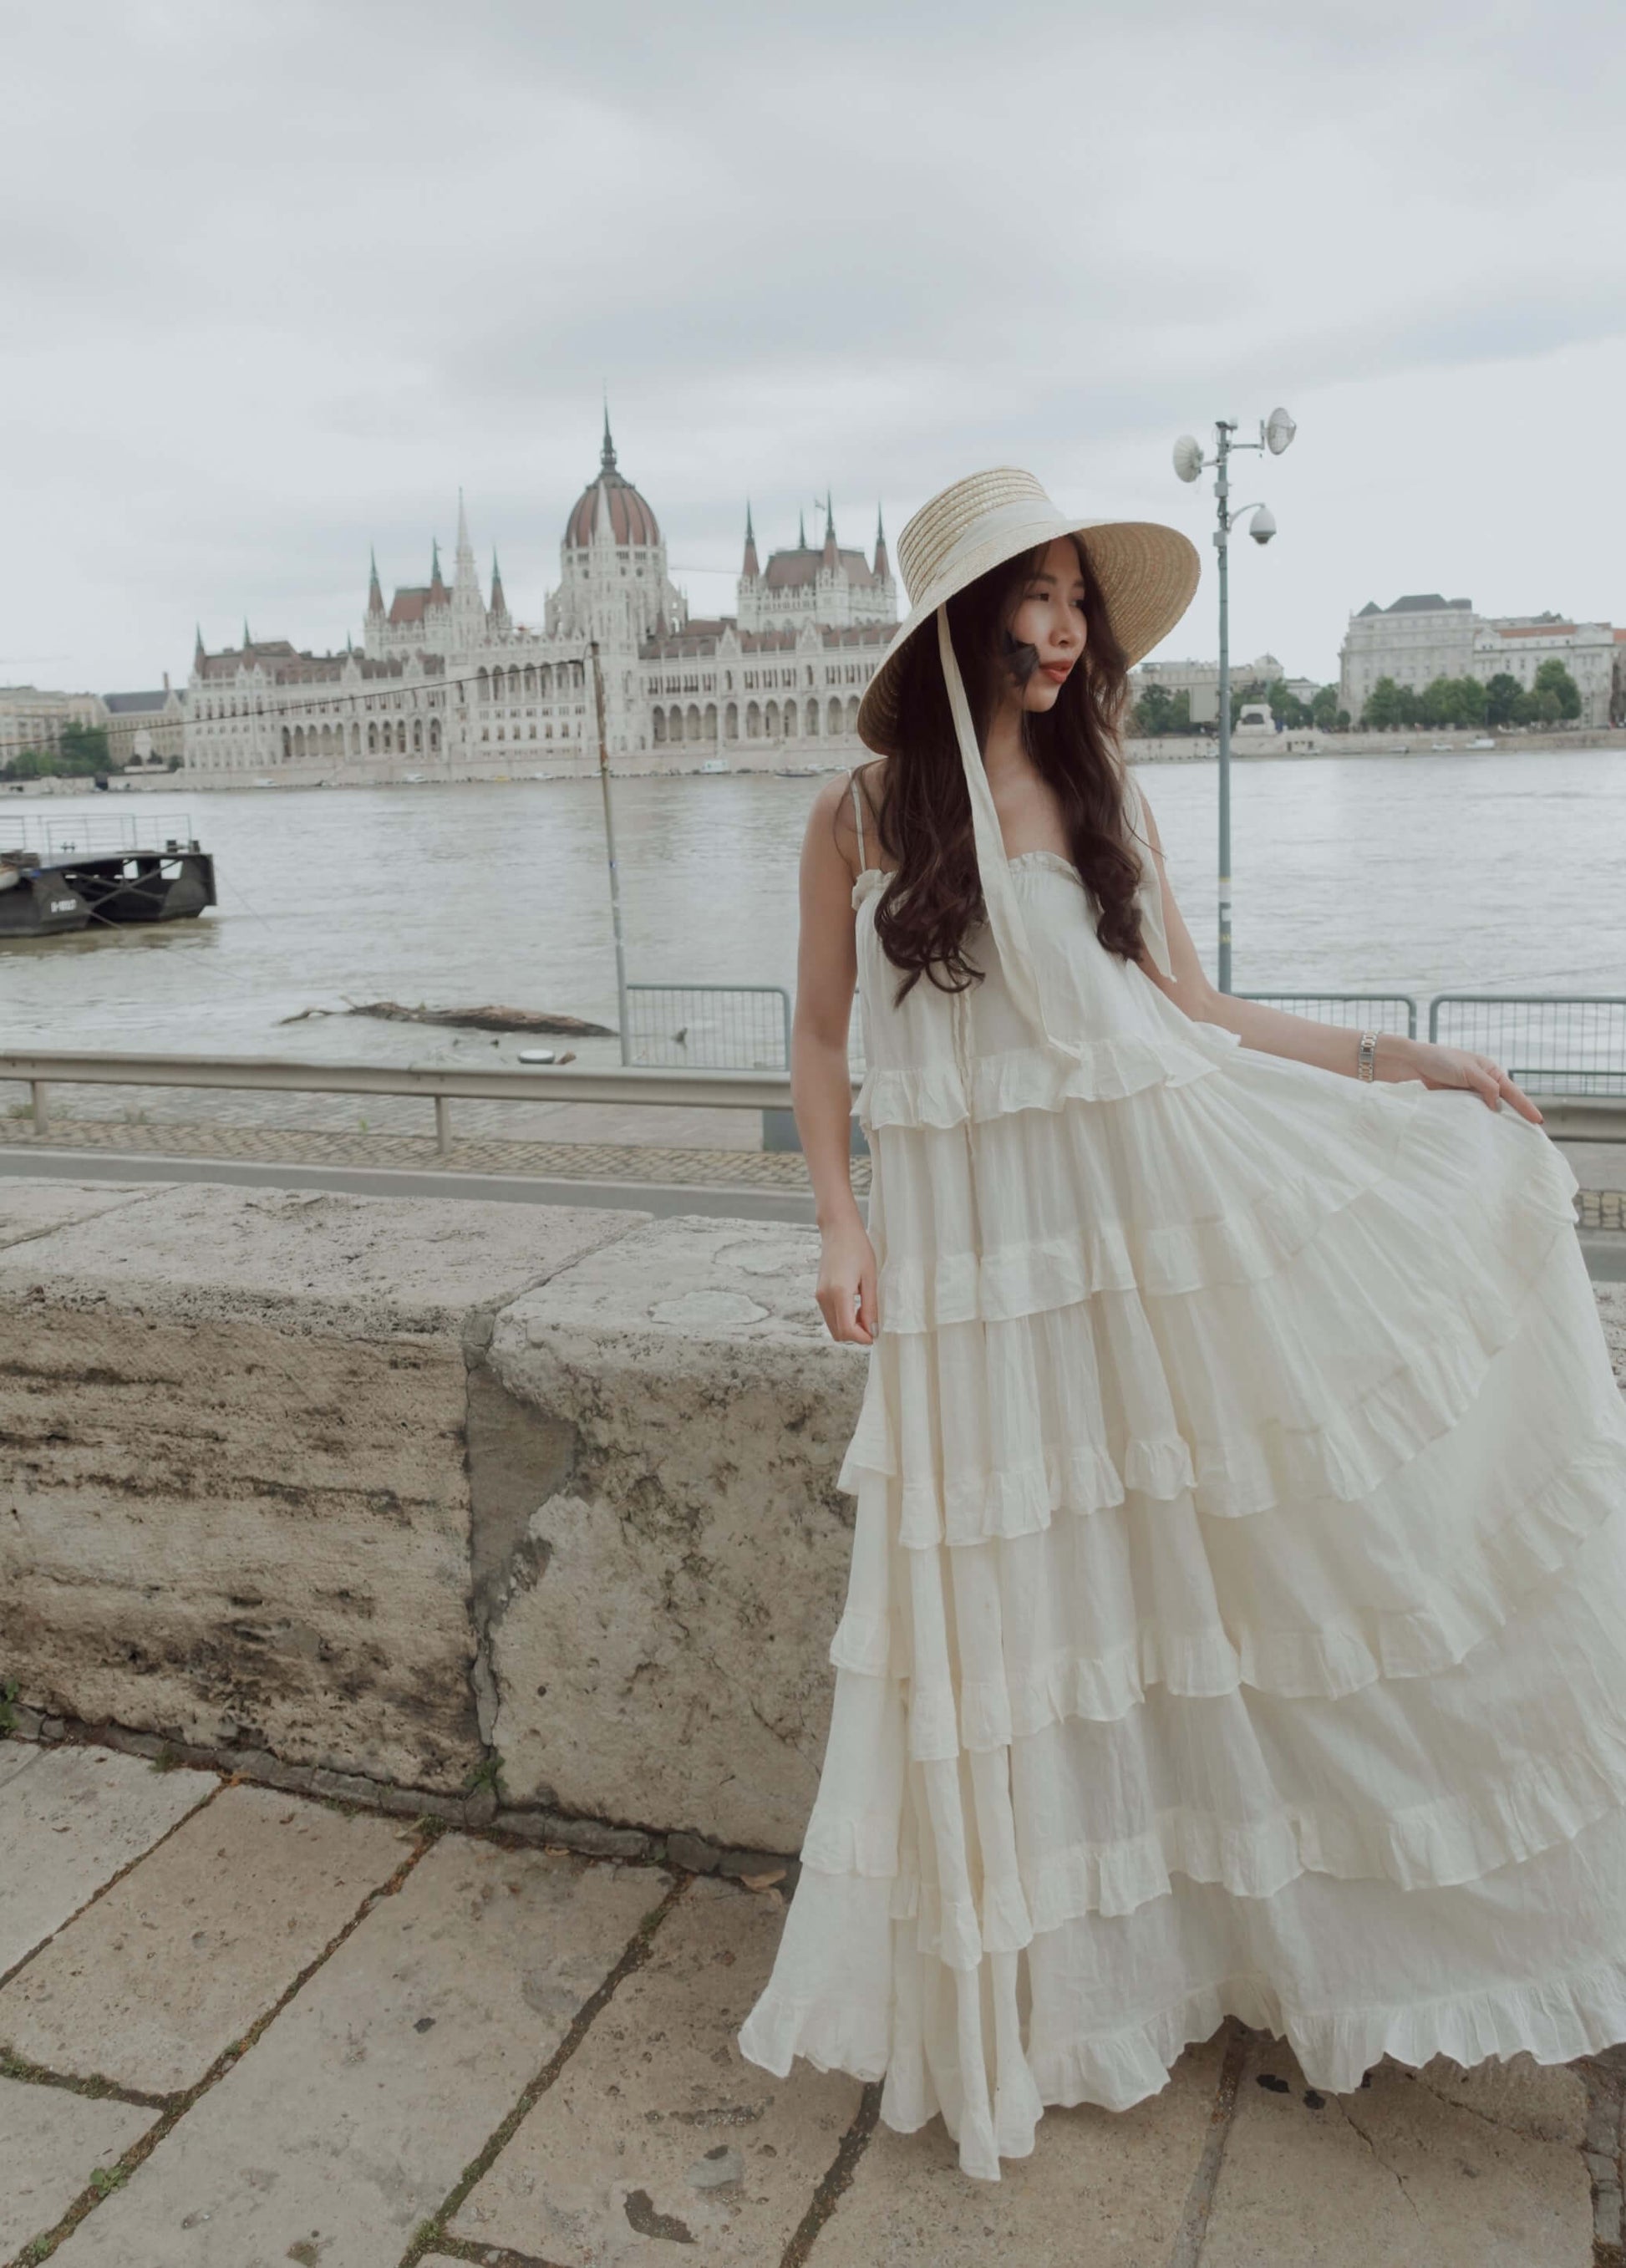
{"x": 1148, "y": 573}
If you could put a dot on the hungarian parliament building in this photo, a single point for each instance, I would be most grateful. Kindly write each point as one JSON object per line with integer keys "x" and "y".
{"x": 444, "y": 683}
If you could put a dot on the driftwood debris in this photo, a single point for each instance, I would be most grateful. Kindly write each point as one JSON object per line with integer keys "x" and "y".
{"x": 474, "y": 1019}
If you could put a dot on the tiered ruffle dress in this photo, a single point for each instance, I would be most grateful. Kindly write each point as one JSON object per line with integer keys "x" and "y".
{"x": 1236, "y": 1612}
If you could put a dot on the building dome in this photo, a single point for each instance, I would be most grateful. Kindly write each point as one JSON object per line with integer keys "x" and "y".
{"x": 610, "y": 502}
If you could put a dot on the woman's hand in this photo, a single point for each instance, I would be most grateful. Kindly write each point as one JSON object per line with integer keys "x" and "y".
{"x": 846, "y": 1293}
{"x": 1398, "y": 1057}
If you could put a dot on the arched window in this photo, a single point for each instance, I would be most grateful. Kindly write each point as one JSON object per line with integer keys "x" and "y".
{"x": 355, "y": 739}
{"x": 418, "y": 736}
{"x": 790, "y": 719}
{"x": 372, "y": 740}
{"x": 674, "y": 724}
{"x": 833, "y": 718}
{"x": 434, "y": 736}
{"x": 771, "y": 720}
{"x": 712, "y": 720}
{"x": 546, "y": 675}
{"x": 530, "y": 684}
{"x": 400, "y": 738}
{"x": 661, "y": 728}
{"x": 852, "y": 713}
{"x": 287, "y": 744}
{"x": 753, "y": 721}
{"x": 812, "y": 719}
{"x": 730, "y": 721}
{"x": 483, "y": 683}
{"x": 691, "y": 723}
{"x": 298, "y": 742}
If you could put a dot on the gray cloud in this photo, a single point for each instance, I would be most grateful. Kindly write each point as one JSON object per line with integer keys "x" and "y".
{"x": 279, "y": 278}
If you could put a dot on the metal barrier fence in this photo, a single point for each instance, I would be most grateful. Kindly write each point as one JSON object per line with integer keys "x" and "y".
{"x": 710, "y": 1027}
{"x": 101, "y": 833}
{"x": 1378, "y": 1012}
{"x": 1550, "y": 1044}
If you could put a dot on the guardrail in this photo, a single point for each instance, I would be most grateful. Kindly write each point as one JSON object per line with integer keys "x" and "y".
{"x": 1380, "y": 1011}
{"x": 1551, "y": 1043}
{"x": 742, "y": 1090}
{"x": 721, "y": 1026}
{"x": 1567, "y": 1117}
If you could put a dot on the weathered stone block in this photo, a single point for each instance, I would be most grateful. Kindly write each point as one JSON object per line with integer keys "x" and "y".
{"x": 236, "y": 1501}
{"x": 660, "y": 1655}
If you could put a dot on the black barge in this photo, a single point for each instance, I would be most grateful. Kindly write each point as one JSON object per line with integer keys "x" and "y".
{"x": 61, "y": 875}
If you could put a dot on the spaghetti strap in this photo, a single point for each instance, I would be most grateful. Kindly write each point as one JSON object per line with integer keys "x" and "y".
{"x": 857, "y": 812}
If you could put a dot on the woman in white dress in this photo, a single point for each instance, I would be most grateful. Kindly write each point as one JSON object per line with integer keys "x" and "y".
{"x": 1236, "y": 1622}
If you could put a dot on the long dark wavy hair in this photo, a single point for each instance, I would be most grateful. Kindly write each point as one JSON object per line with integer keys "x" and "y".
{"x": 923, "y": 809}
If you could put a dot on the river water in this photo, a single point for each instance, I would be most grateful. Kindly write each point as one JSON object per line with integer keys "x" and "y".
{"x": 1500, "y": 871}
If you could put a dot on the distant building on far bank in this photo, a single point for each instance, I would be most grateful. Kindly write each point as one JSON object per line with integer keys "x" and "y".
{"x": 144, "y": 728}
{"x": 1423, "y": 637}
{"x": 32, "y": 720}
{"x": 444, "y": 680}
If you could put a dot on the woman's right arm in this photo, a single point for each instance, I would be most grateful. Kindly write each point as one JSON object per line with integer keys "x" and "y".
{"x": 820, "y": 1082}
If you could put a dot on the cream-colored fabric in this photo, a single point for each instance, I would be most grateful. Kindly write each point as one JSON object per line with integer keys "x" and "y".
{"x": 1237, "y": 1612}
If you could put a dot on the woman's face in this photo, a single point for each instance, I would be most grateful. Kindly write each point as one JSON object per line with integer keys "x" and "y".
{"x": 1049, "y": 617}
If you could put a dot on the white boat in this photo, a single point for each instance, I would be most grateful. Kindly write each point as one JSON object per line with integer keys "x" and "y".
{"x": 715, "y": 764}
{"x": 1482, "y": 744}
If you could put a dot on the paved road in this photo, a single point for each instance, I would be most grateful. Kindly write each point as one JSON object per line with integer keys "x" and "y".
{"x": 1605, "y": 1252}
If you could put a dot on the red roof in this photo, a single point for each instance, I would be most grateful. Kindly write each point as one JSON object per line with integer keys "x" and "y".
{"x": 789, "y": 570}
{"x": 409, "y": 604}
{"x": 613, "y": 503}
{"x": 1534, "y": 629}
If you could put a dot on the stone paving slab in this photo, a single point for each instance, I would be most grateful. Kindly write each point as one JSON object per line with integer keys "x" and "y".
{"x": 658, "y": 2132}
{"x": 69, "y": 1823}
{"x": 353, "y": 2116}
{"x": 1398, "y": 2175}
{"x": 51, "y": 2142}
{"x": 1102, "y": 2189}
{"x": 156, "y": 1979}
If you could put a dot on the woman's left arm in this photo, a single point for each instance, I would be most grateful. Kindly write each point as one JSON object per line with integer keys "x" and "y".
{"x": 1334, "y": 1047}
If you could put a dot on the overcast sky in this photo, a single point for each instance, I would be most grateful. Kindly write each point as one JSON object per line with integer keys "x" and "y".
{"x": 276, "y": 278}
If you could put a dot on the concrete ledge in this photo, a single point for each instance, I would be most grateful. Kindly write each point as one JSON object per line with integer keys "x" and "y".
{"x": 506, "y": 1514}
{"x": 236, "y": 1506}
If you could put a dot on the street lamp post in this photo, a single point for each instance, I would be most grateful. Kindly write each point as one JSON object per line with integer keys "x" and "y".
{"x": 1275, "y": 433}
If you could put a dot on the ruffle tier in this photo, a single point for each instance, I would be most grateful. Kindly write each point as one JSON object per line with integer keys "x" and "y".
{"x": 1531, "y": 1958}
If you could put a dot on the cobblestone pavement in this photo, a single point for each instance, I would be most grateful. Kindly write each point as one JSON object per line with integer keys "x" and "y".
{"x": 241, "y": 2026}
{"x": 599, "y": 1162}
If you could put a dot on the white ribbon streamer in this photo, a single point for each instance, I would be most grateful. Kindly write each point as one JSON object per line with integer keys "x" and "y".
{"x": 1004, "y": 911}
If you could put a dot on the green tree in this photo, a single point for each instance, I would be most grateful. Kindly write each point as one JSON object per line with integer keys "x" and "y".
{"x": 1540, "y": 705}
{"x": 1324, "y": 709}
{"x": 1553, "y": 677}
{"x": 1152, "y": 705}
{"x": 1388, "y": 705}
{"x": 32, "y": 763}
{"x": 1287, "y": 708}
{"x": 84, "y": 749}
{"x": 1501, "y": 698}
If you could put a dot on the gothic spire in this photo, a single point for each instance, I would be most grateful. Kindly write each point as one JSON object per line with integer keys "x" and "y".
{"x": 436, "y": 582}
{"x": 248, "y": 640}
{"x": 883, "y": 566}
{"x": 607, "y": 455}
{"x": 750, "y": 569}
{"x": 499, "y": 604}
{"x": 465, "y": 585}
{"x": 375, "y": 596}
{"x": 801, "y": 531}
{"x": 831, "y": 557}
{"x": 197, "y": 651}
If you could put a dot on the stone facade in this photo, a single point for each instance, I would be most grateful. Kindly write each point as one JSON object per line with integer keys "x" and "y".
{"x": 1423, "y": 637}
{"x": 445, "y": 684}
{"x": 32, "y": 718}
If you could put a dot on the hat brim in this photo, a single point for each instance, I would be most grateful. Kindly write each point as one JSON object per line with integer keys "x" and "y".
{"x": 1148, "y": 575}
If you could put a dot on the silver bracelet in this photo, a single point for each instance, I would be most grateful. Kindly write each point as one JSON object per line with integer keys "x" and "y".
{"x": 1366, "y": 1062}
